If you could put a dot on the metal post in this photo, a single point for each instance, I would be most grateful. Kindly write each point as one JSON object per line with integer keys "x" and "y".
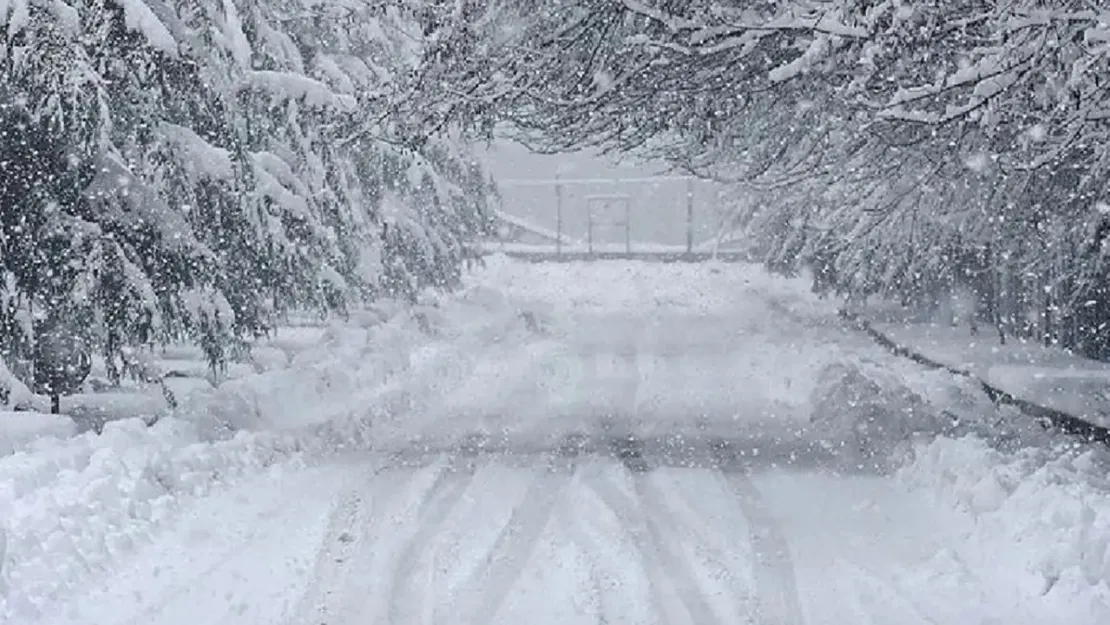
{"x": 689, "y": 215}
{"x": 628, "y": 227}
{"x": 558, "y": 216}
{"x": 718, "y": 219}
{"x": 590, "y": 226}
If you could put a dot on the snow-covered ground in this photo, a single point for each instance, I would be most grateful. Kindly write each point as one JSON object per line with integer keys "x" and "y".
{"x": 788, "y": 471}
{"x": 1046, "y": 376}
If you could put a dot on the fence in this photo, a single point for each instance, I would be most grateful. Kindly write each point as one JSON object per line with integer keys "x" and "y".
{"x": 679, "y": 213}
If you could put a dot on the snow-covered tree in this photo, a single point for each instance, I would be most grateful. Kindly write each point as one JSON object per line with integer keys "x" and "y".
{"x": 906, "y": 148}
{"x": 176, "y": 169}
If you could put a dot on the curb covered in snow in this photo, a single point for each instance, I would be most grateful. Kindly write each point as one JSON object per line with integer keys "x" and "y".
{"x": 1064, "y": 422}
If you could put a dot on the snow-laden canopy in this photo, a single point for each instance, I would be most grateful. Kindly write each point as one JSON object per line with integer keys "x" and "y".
{"x": 172, "y": 169}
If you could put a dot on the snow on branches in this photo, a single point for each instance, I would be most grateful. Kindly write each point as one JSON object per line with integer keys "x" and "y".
{"x": 176, "y": 169}
{"x": 903, "y": 146}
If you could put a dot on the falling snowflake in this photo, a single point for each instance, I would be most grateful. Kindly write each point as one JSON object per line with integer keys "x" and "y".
{"x": 978, "y": 163}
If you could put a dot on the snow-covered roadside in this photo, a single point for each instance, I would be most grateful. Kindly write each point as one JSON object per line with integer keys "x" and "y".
{"x": 1041, "y": 515}
{"x": 82, "y": 506}
{"x": 71, "y": 507}
{"x": 19, "y": 429}
{"x": 247, "y": 546}
{"x": 1046, "y": 376}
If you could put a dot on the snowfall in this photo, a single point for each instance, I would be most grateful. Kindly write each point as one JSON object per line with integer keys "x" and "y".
{"x": 609, "y": 442}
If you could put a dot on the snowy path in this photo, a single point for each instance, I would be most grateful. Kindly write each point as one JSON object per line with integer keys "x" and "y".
{"x": 644, "y": 461}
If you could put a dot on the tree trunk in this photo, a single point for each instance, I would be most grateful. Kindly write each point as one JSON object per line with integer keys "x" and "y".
{"x": 1046, "y": 316}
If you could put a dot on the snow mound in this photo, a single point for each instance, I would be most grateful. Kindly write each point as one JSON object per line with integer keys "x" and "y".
{"x": 72, "y": 506}
{"x": 501, "y": 317}
{"x": 867, "y": 412}
{"x": 350, "y": 372}
{"x": 1044, "y": 512}
{"x": 19, "y": 429}
{"x": 320, "y": 384}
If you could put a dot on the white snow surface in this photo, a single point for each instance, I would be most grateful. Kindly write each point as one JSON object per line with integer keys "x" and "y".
{"x": 139, "y": 17}
{"x": 1039, "y": 517}
{"x": 1047, "y": 376}
{"x": 289, "y": 85}
{"x": 201, "y": 158}
{"x": 18, "y": 429}
{"x": 273, "y": 499}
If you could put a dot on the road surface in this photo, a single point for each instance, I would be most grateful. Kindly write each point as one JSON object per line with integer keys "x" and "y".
{"x": 647, "y": 458}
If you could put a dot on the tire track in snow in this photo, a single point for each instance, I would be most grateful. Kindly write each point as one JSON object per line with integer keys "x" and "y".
{"x": 776, "y": 581}
{"x": 611, "y": 607}
{"x": 681, "y": 572}
{"x": 349, "y": 539}
{"x": 342, "y": 541}
{"x": 625, "y": 511}
{"x": 881, "y": 590}
{"x": 441, "y": 499}
{"x": 719, "y": 553}
{"x": 515, "y": 544}
{"x": 654, "y": 541}
{"x": 666, "y": 532}
{"x": 578, "y": 535}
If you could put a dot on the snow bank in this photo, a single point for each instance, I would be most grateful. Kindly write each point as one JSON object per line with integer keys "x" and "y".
{"x": 18, "y": 429}
{"x": 1041, "y": 513}
{"x": 350, "y": 372}
{"x": 72, "y": 505}
{"x": 319, "y": 384}
{"x": 1046, "y": 376}
{"x": 866, "y": 411}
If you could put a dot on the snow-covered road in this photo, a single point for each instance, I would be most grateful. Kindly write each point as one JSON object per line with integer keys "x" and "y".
{"x": 604, "y": 537}
{"x": 598, "y": 537}
{"x": 645, "y": 454}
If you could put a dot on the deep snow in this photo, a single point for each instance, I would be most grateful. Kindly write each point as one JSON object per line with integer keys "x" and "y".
{"x": 265, "y": 501}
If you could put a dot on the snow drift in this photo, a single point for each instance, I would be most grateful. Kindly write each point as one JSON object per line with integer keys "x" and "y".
{"x": 73, "y": 505}
{"x": 1040, "y": 513}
